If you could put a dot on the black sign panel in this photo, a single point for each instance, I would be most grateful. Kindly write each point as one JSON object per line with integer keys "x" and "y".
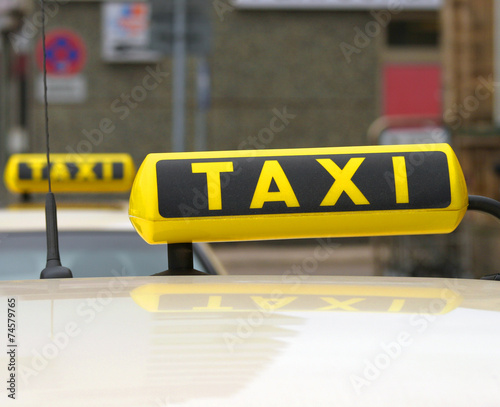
{"x": 182, "y": 191}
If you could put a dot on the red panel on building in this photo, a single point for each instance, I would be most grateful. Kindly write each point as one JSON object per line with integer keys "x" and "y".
{"x": 412, "y": 89}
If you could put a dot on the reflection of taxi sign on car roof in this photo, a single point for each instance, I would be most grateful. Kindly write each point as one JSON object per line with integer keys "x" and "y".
{"x": 70, "y": 172}
{"x": 290, "y": 298}
{"x": 275, "y": 194}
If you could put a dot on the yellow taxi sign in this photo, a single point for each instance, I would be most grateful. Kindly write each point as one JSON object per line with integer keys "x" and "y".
{"x": 298, "y": 193}
{"x": 27, "y": 173}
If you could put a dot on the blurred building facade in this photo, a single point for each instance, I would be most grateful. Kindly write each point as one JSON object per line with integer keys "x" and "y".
{"x": 470, "y": 84}
{"x": 279, "y": 78}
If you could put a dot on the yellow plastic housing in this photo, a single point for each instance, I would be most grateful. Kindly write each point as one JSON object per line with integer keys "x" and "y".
{"x": 361, "y": 191}
{"x": 95, "y": 173}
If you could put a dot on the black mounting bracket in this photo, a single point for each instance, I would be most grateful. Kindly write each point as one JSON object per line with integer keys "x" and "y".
{"x": 180, "y": 261}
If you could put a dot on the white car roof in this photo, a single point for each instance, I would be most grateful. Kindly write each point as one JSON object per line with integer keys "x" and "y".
{"x": 255, "y": 341}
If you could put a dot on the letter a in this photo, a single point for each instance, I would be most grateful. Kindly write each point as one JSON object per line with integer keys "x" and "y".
{"x": 272, "y": 170}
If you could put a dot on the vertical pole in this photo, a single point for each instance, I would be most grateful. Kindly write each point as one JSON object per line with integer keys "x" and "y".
{"x": 203, "y": 90}
{"x": 4, "y": 106}
{"x": 180, "y": 257}
{"x": 179, "y": 76}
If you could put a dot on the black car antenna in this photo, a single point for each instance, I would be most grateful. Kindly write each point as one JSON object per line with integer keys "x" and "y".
{"x": 53, "y": 269}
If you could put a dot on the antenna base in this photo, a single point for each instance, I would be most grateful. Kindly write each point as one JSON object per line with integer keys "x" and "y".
{"x": 54, "y": 269}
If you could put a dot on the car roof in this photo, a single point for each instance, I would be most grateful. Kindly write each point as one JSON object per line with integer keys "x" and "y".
{"x": 206, "y": 341}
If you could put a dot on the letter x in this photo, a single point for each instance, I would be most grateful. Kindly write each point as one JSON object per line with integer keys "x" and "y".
{"x": 343, "y": 182}
{"x": 85, "y": 171}
{"x": 343, "y": 305}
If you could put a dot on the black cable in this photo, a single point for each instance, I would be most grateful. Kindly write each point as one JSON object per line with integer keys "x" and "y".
{"x": 483, "y": 204}
{"x": 42, "y": 5}
{"x": 495, "y": 277}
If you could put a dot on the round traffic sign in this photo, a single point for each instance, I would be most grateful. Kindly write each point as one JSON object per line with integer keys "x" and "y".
{"x": 66, "y": 52}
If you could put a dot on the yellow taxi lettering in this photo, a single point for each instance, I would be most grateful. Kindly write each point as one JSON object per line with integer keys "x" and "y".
{"x": 271, "y": 170}
{"x": 272, "y": 304}
{"x": 36, "y": 169}
{"x": 107, "y": 171}
{"x": 396, "y": 305}
{"x": 343, "y": 181}
{"x": 59, "y": 171}
{"x": 85, "y": 171}
{"x": 400, "y": 179}
{"x": 213, "y": 171}
{"x": 343, "y": 305}
{"x": 214, "y": 304}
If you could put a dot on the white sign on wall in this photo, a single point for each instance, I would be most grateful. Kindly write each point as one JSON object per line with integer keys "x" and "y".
{"x": 126, "y": 33}
{"x": 62, "y": 90}
{"x": 415, "y": 135}
{"x": 341, "y": 4}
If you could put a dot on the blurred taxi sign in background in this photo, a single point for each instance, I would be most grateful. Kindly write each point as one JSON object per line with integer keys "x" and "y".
{"x": 27, "y": 173}
{"x": 298, "y": 193}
